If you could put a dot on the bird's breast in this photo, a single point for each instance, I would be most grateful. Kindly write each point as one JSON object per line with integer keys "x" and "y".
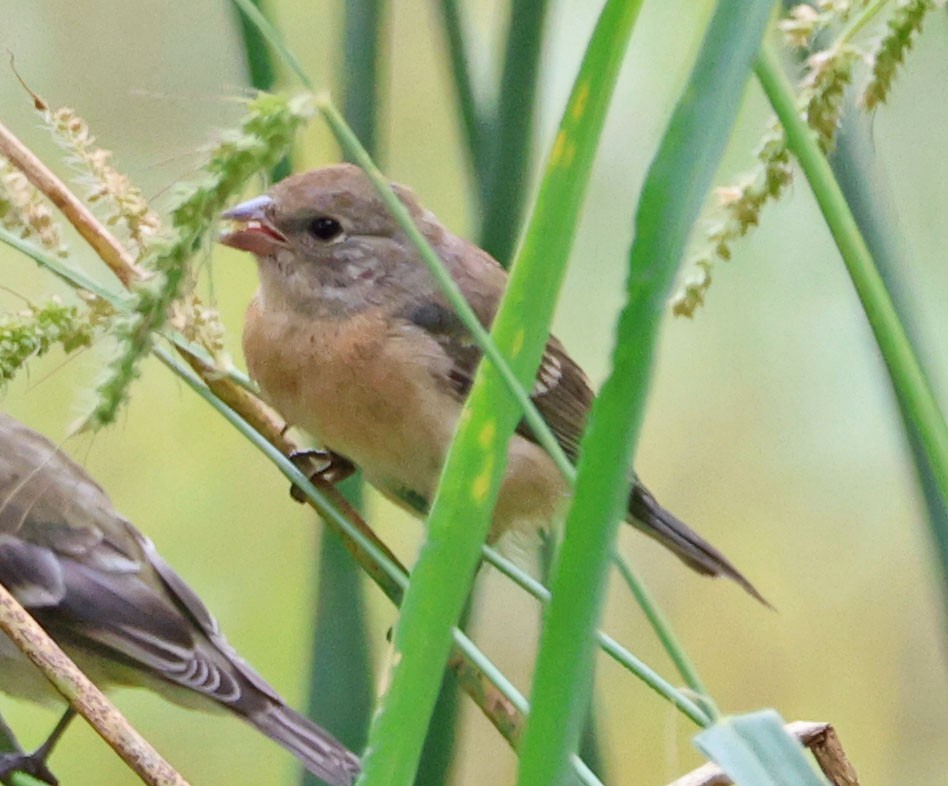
{"x": 359, "y": 385}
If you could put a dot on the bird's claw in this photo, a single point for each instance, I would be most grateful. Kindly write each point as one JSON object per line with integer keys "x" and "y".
{"x": 33, "y": 764}
{"x": 319, "y": 465}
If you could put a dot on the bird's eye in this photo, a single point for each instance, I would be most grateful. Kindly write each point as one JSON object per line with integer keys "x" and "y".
{"x": 325, "y": 228}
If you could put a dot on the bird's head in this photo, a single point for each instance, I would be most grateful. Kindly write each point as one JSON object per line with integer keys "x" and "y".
{"x": 326, "y": 242}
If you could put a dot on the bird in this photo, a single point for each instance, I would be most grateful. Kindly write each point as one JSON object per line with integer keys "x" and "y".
{"x": 102, "y": 591}
{"x": 350, "y": 338}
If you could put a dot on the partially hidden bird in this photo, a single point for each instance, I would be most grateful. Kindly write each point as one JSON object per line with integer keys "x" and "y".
{"x": 105, "y": 595}
{"x": 350, "y": 337}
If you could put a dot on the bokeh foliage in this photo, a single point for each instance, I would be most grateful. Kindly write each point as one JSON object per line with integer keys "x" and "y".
{"x": 805, "y": 529}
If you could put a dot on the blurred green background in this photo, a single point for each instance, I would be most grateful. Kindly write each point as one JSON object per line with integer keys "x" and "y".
{"x": 770, "y": 427}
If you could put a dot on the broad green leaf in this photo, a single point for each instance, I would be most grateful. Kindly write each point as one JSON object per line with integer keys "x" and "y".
{"x": 675, "y": 188}
{"x": 756, "y": 750}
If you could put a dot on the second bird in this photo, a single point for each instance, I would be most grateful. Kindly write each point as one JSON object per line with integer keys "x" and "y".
{"x": 105, "y": 595}
{"x": 351, "y": 338}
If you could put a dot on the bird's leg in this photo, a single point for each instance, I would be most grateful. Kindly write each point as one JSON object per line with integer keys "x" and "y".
{"x": 34, "y": 763}
{"x": 322, "y": 465}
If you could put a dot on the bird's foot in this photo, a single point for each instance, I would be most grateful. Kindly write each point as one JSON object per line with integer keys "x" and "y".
{"x": 320, "y": 465}
{"x": 33, "y": 764}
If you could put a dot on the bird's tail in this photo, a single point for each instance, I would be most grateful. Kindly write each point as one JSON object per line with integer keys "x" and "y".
{"x": 317, "y": 750}
{"x": 688, "y": 545}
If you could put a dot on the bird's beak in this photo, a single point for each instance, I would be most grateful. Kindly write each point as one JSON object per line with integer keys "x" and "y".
{"x": 254, "y": 232}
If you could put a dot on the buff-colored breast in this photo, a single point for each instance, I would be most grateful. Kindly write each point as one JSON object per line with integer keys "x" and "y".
{"x": 367, "y": 387}
{"x": 359, "y": 387}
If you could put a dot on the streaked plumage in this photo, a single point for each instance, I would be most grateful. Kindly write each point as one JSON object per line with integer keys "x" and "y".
{"x": 102, "y": 591}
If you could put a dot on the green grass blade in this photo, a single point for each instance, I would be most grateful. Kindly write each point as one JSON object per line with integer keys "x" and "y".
{"x": 70, "y": 275}
{"x": 341, "y": 684}
{"x": 259, "y": 63}
{"x": 362, "y": 64}
{"x": 273, "y": 37}
{"x": 438, "y": 753}
{"x": 908, "y": 378}
{"x": 508, "y": 166}
{"x": 674, "y": 190}
{"x": 856, "y": 170}
{"x": 260, "y": 68}
{"x": 448, "y": 560}
{"x": 590, "y": 741}
{"x": 476, "y": 122}
{"x": 756, "y": 750}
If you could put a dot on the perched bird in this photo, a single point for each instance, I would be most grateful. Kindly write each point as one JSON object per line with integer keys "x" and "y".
{"x": 105, "y": 595}
{"x": 350, "y": 337}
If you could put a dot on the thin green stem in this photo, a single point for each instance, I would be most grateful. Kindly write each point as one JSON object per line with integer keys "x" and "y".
{"x": 667, "y": 637}
{"x": 120, "y": 301}
{"x": 475, "y": 120}
{"x": 606, "y": 643}
{"x": 694, "y": 712}
{"x": 511, "y": 148}
{"x": 273, "y": 37}
{"x": 908, "y": 378}
{"x": 290, "y": 471}
{"x": 863, "y": 18}
{"x": 71, "y": 276}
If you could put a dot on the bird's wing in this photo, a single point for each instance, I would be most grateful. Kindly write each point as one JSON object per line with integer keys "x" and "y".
{"x": 94, "y": 582}
{"x": 563, "y": 396}
{"x": 560, "y": 392}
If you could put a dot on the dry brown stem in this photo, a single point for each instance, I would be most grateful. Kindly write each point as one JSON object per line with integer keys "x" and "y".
{"x": 83, "y": 696}
{"x": 92, "y": 230}
{"x": 818, "y": 737}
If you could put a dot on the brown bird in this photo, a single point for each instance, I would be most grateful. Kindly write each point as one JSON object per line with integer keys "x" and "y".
{"x": 351, "y": 338}
{"x": 105, "y": 595}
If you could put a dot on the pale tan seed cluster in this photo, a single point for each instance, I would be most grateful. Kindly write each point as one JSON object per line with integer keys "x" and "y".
{"x": 24, "y": 212}
{"x": 263, "y": 139}
{"x": 122, "y": 202}
{"x": 863, "y": 36}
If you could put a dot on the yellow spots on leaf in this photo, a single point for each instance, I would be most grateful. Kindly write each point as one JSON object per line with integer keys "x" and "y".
{"x": 480, "y": 487}
{"x": 517, "y": 345}
{"x": 487, "y": 434}
{"x": 558, "y": 145}
{"x": 579, "y": 105}
{"x": 564, "y": 149}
